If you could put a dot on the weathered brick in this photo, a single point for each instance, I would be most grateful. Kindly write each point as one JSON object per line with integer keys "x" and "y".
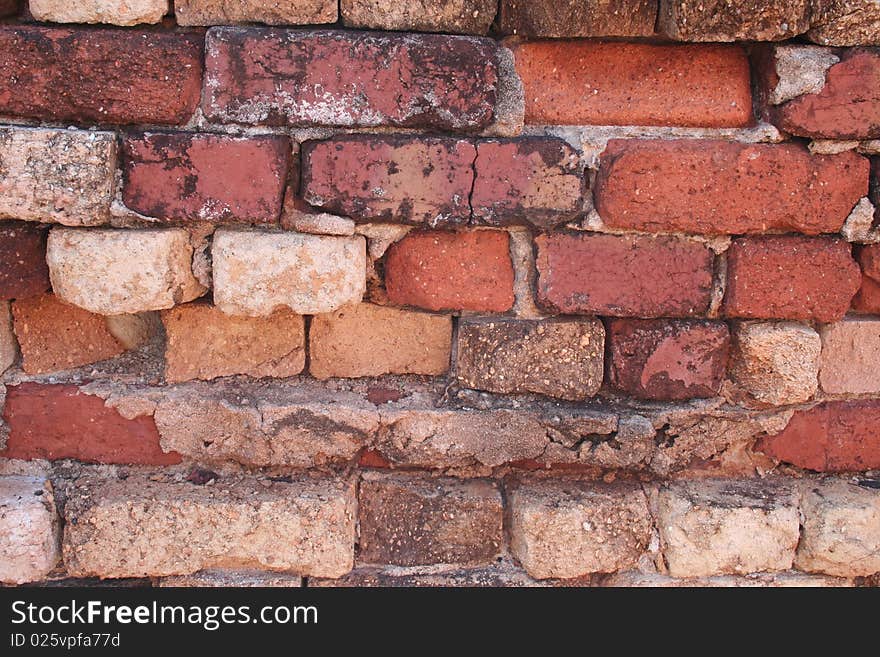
{"x": 202, "y": 177}
{"x": 410, "y": 521}
{"x": 100, "y": 76}
{"x": 868, "y": 298}
{"x": 716, "y": 187}
{"x": 257, "y": 273}
{"x": 790, "y": 277}
{"x": 29, "y": 529}
{"x": 533, "y": 180}
{"x": 204, "y": 343}
{"x": 61, "y": 422}
{"x": 222, "y": 578}
{"x": 792, "y": 579}
{"x": 578, "y": 18}
{"x": 841, "y": 528}
{"x": 141, "y": 526}
{"x": 272, "y": 12}
{"x": 452, "y": 16}
{"x": 8, "y": 345}
{"x": 831, "y": 437}
{"x": 369, "y": 340}
{"x": 340, "y": 78}
{"x": 725, "y": 527}
{"x": 402, "y": 179}
{"x": 744, "y": 20}
{"x": 851, "y": 357}
{"x": 118, "y": 271}
{"x": 23, "y": 269}
{"x": 667, "y": 359}
{"x": 845, "y": 22}
{"x": 625, "y": 276}
{"x": 556, "y": 358}
{"x": 451, "y": 271}
{"x": 131, "y": 12}
{"x": 786, "y": 71}
{"x": 586, "y": 82}
{"x": 496, "y": 575}
{"x": 569, "y": 529}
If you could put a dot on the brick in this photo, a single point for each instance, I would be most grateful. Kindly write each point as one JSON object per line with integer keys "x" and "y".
{"x": 29, "y": 529}
{"x": 792, "y": 579}
{"x": 272, "y": 12}
{"x": 369, "y": 340}
{"x": 8, "y": 344}
{"x": 23, "y": 269}
{"x": 557, "y": 358}
{"x": 456, "y": 16}
{"x": 486, "y": 576}
{"x": 201, "y": 177}
{"x": 790, "y": 277}
{"x": 141, "y": 526}
{"x": 299, "y": 216}
{"x": 56, "y": 336}
{"x": 364, "y": 80}
{"x": 841, "y": 528}
{"x": 845, "y": 22}
{"x": 776, "y": 362}
{"x": 745, "y": 20}
{"x": 625, "y": 276}
{"x": 61, "y": 422}
{"x": 118, "y": 271}
{"x": 726, "y": 527}
{"x": 831, "y": 437}
{"x": 132, "y": 12}
{"x": 851, "y": 357}
{"x": 667, "y": 359}
{"x": 220, "y": 578}
{"x": 204, "y": 343}
{"x": 569, "y": 529}
{"x": 533, "y": 180}
{"x": 99, "y": 76}
{"x": 595, "y": 83}
{"x": 257, "y": 273}
{"x": 717, "y": 187}
{"x": 451, "y": 271}
{"x": 409, "y": 521}
{"x": 868, "y": 298}
{"x": 400, "y": 179}
{"x": 783, "y": 72}
{"x": 577, "y": 18}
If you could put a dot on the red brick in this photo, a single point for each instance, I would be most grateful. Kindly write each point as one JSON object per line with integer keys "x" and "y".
{"x": 790, "y": 277}
{"x": 398, "y": 179}
{"x": 868, "y": 298}
{"x": 668, "y": 360}
{"x": 585, "y": 82}
{"x": 451, "y": 271}
{"x": 335, "y": 78}
{"x": 577, "y": 18}
{"x": 623, "y": 276}
{"x": 831, "y": 437}
{"x": 214, "y": 178}
{"x": 61, "y": 422}
{"x": 712, "y": 187}
{"x": 99, "y": 75}
{"x": 533, "y": 180}
{"x": 23, "y": 269}
{"x": 847, "y": 107}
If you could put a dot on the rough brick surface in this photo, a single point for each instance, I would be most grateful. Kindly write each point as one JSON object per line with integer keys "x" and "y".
{"x": 744, "y": 20}
{"x": 787, "y": 71}
{"x": 452, "y": 16}
{"x": 350, "y": 79}
{"x": 131, "y": 12}
{"x": 216, "y": 178}
{"x": 586, "y": 82}
{"x": 29, "y": 529}
{"x": 851, "y": 357}
{"x": 256, "y": 273}
{"x": 791, "y": 579}
{"x": 204, "y": 343}
{"x": 712, "y": 187}
{"x": 831, "y": 437}
{"x": 409, "y": 521}
{"x": 114, "y": 272}
{"x": 845, "y": 22}
{"x": 451, "y": 271}
{"x": 8, "y": 344}
{"x": 398, "y": 179}
{"x": 623, "y": 276}
{"x": 99, "y": 76}
{"x": 222, "y": 578}
{"x": 790, "y": 278}
{"x": 272, "y": 12}
{"x": 868, "y": 298}
{"x": 537, "y": 181}
{"x": 61, "y": 422}
{"x": 569, "y": 529}
{"x": 496, "y": 575}
{"x": 578, "y": 18}
{"x": 139, "y": 526}
{"x": 23, "y": 270}
{"x": 720, "y": 527}
{"x": 557, "y": 358}
{"x": 369, "y": 340}
{"x": 667, "y": 360}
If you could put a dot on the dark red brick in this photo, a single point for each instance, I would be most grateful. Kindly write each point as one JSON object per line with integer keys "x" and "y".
{"x": 23, "y": 269}
{"x": 203, "y": 177}
{"x": 623, "y": 276}
{"x": 577, "y": 18}
{"x": 99, "y": 75}
{"x": 788, "y": 277}
{"x": 868, "y": 298}
{"x": 8, "y": 7}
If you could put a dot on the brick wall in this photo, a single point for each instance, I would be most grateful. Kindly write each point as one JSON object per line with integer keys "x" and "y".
{"x": 440, "y": 293}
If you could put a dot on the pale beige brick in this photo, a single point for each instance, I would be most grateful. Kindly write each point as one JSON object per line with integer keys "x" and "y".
{"x": 113, "y": 12}
{"x": 272, "y": 12}
{"x": 29, "y": 534}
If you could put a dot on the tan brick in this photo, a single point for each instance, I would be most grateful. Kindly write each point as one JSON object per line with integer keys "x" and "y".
{"x": 850, "y": 362}
{"x": 8, "y": 346}
{"x": 793, "y": 579}
{"x": 450, "y": 16}
{"x": 114, "y": 12}
{"x": 29, "y": 530}
{"x": 235, "y": 578}
{"x": 272, "y": 12}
